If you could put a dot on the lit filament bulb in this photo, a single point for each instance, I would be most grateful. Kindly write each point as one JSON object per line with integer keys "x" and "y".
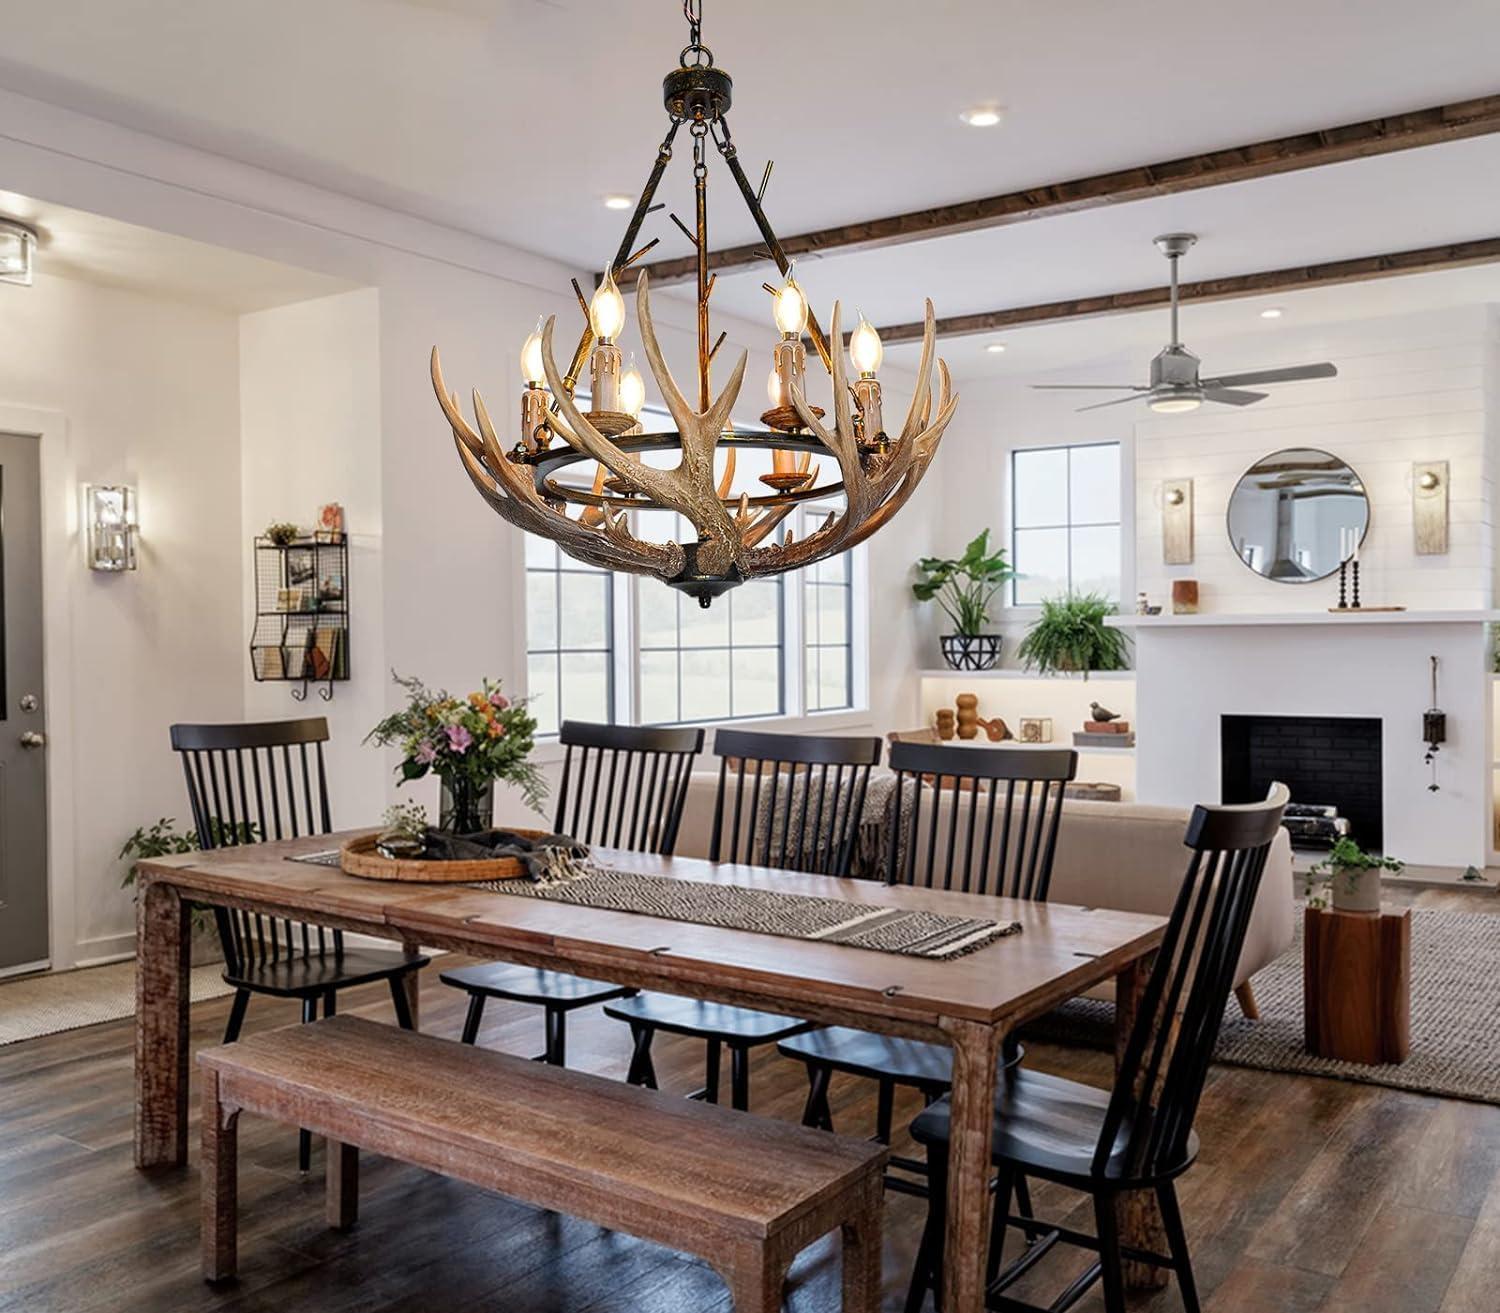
{"x": 632, "y": 390}
{"x": 790, "y": 307}
{"x": 865, "y": 349}
{"x": 607, "y": 309}
{"x": 531, "y": 358}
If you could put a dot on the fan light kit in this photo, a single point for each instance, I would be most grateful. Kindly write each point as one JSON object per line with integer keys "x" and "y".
{"x": 1175, "y": 387}
{"x": 877, "y": 472}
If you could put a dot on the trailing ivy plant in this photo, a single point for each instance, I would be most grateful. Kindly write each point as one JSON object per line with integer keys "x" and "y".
{"x": 162, "y": 838}
{"x": 964, "y": 586}
{"x": 1070, "y": 635}
{"x": 1346, "y": 858}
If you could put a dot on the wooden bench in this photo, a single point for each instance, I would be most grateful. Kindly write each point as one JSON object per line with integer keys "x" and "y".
{"x": 740, "y": 1192}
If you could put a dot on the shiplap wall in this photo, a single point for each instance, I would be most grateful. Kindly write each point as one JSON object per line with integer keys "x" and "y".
{"x": 1412, "y": 389}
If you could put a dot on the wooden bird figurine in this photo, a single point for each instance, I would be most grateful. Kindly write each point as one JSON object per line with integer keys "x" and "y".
{"x": 1103, "y": 714}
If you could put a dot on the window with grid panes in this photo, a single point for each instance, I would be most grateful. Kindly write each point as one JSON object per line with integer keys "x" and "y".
{"x": 570, "y": 627}
{"x": 1065, "y": 521}
{"x": 827, "y": 624}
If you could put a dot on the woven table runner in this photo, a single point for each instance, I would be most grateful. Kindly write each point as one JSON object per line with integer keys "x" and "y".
{"x": 767, "y": 912}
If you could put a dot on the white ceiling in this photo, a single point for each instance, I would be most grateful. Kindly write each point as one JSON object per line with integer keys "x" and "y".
{"x": 512, "y": 118}
{"x": 74, "y": 244}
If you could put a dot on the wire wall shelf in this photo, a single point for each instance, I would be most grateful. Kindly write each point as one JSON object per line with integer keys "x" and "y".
{"x": 302, "y": 613}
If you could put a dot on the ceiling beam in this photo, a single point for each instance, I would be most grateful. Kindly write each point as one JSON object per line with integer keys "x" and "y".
{"x": 1305, "y": 150}
{"x": 1300, "y": 279}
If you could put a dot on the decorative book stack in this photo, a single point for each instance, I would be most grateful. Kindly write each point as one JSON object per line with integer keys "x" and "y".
{"x": 1104, "y": 734}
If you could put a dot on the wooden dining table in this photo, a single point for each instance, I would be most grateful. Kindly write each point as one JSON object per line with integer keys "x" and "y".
{"x": 969, "y": 1003}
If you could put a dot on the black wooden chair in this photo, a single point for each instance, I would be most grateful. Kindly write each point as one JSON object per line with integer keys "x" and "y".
{"x": 975, "y": 820}
{"x": 1138, "y": 1136}
{"x": 622, "y": 786}
{"x": 262, "y": 781}
{"x": 789, "y": 801}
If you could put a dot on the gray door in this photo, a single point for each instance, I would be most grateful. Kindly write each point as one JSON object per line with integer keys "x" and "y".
{"x": 23, "y": 751}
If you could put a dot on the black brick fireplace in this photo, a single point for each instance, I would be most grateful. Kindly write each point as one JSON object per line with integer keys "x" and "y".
{"x": 1323, "y": 760}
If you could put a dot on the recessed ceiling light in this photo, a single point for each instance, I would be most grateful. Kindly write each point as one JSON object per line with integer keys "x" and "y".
{"x": 995, "y": 348}
{"x": 982, "y": 116}
{"x": 615, "y": 201}
{"x": 1271, "y": 312}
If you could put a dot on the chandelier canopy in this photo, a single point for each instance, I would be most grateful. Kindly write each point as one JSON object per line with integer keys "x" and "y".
{"x": 591, "y": 520}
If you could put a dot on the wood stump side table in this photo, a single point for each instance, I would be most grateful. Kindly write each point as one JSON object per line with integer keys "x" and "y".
{"x": 1356, "y": 985}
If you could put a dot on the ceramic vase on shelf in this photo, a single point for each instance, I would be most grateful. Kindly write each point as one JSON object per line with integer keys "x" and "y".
{"x": 971, "y": 651}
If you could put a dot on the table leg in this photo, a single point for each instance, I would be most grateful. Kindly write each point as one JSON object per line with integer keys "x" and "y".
{"x": 412, "y": 984}
{"x": 162, "y": 960}
{"x": 976, "y": 1050}
{"x": 1140, "y": 1218}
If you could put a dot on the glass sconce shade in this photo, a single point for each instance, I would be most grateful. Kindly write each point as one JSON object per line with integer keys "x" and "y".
{"x": 17, "y": 253}
{"x": 110, "y": 526}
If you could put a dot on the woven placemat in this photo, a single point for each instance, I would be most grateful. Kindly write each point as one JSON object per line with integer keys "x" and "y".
{"x": 767, "y": 912}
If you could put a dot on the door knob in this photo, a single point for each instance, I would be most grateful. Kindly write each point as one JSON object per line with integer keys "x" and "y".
{"x": 31, "y": 739}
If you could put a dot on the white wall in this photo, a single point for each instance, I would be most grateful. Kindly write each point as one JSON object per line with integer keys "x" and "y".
{"x": 310, "y": 431}
{"x": 149, "y": 392}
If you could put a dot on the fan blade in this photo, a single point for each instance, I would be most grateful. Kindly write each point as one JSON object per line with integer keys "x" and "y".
{"x": 1118, "y": 401}
{"x": 1230, "y": 397}
{"x": 1291, "y": 374}
{"x": 1088, "y": 387}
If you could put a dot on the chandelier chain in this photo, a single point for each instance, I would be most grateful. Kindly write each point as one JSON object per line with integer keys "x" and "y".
{"x": 702, "y": 56}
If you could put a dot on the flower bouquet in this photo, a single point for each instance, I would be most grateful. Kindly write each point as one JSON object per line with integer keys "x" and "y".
{"x": 468, "y": 743}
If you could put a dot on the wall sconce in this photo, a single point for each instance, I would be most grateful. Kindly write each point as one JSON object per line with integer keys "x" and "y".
{"x": 1177, "y": 522}
{"x": 1429, "y": 507}
{"x": 17, "y": 252}
{"x": 110, "y": 526}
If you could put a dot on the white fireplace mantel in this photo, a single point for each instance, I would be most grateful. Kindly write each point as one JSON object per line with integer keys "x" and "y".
{"x": 1221, "y": 619}
{"x": 1193, "y": 670}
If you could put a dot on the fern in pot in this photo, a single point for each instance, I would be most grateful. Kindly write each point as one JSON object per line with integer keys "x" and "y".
{"x": 965, "y": 587}
{"x": 1070, "y": 635}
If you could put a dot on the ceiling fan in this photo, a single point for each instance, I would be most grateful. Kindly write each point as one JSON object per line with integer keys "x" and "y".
{"x": 1175, "y": 386}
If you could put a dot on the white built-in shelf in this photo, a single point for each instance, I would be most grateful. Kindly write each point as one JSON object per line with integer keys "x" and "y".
{"x": 943, "y": 672}
{"x": 1250, "y": 619}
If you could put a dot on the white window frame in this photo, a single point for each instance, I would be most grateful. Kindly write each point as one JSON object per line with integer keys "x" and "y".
{"x": 1126, "y": 443}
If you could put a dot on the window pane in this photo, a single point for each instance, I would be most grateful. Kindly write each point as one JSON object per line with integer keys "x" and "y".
{"x": 705, "y": 685}
{"x": 584, "y": 610}
{"x": 756, "y": 608}
{"x": 541, "y": 683}
{"x": 1040, "y": 487}
{"x": 656, "y": 609}
{"x": 541, "y": 553}
{"x": 757, "y": 682}
{"x": 1096, "y": 561}
{"x": 810, "y": 658}
{"x": 832, "y": 605}
{"x": 702, "y": 626}
{"x": 1095, "y": 484}
{"x": 658, "y": 689}
{"x": 1042, "y": 560}
{"x": 585, "y": 685}
{"x": 833, "y": 678}
{"x": 541, "y": 609}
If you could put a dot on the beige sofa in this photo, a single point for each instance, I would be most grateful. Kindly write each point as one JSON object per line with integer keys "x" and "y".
{"x": 1109, "y": 854}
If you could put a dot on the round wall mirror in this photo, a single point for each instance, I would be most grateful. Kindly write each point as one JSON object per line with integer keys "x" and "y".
{"x": 1295, "y": 514}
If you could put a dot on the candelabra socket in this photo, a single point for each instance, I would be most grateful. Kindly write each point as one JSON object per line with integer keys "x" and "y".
{"x": 867, "y": 398}
{"x": 604, "y": 377}
{"x": 534, "y": 402}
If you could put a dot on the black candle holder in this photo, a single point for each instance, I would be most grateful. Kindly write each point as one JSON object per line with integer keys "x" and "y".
{"x": 1355, "y": 605}
{"x": 1344, "y": 584}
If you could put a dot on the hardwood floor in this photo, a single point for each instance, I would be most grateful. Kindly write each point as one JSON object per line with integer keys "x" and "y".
{"x": 1309, "y": 1195}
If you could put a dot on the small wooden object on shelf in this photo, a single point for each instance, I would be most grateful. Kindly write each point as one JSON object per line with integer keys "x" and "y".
{"x": 358, "y": 857}
{"x": 1184, "y": 597}
{"x": 1356, "y": 985}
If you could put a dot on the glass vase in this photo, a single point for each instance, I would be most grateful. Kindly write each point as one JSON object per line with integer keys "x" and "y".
{"x": 467, "y": 807}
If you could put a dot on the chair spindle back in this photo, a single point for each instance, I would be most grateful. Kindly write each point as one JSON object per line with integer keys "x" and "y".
{"x": 253, "y": 783}
{"x": 977, "y": 820}
{"x": 790, "y": 801}
{"x": 1161, "y": 1075}
{"x": 625, "y": 786}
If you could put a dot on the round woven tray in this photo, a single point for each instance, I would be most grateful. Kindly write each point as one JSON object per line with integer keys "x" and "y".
{"x": 358, "y": 857}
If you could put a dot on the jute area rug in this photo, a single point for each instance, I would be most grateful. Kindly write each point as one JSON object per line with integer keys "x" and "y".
{"x": 1455, "y": 1015}
{"x": 67, "y": 1000}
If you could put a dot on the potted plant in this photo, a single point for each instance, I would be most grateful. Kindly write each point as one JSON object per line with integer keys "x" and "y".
{"x": 468, "y": 743}
{"x": 1070, "y": 635}
{"x": 161, "y": 839}
{"x": 1353, "y": 876}
{"x": 964, "y": 587}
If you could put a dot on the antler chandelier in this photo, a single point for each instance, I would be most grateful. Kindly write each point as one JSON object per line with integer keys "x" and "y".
{"x": 592, "y": 521}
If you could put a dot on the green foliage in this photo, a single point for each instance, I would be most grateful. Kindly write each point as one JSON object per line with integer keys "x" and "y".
{"x": 964, "y": 586}
{"x": 163, "y": 838}
{"x": 1347, "y": 859}
{"x": 1070, "y": 634}
{"x": 408, "y": 819}
{"x": 281, "y": 532}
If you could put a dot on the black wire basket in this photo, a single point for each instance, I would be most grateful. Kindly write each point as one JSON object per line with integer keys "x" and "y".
{"x": 971, "y": 651}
